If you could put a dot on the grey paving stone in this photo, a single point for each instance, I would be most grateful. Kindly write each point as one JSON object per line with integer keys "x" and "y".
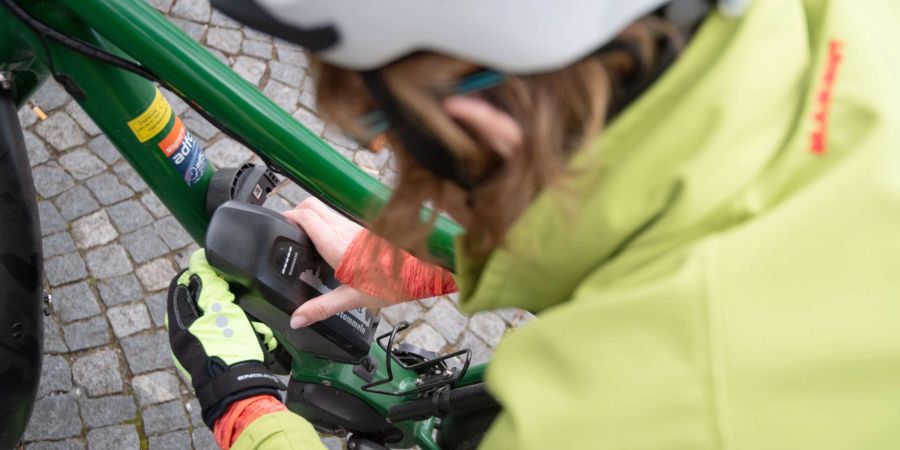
{"x": 178, "y": 105}
{"x": 203, "y": 439}
{"x": 288, "y": 74}
{"x": 183, "y": 256}
{"x": 148, "y": 351}
{"x": 118, "y": 437}
{"x": 172, "y": 233}
{"x": 104, "y": 149}
{"x": 128, "y": 319}
{"x": 308, "y": 94}
{"x": 109, "y": 261}
{"x": 425, "y": 336}
{"x": 164, "y": 418}
{"x": 76, "y": 202}
{"x": 58, "y": 244}
{"x": 86, "y": 334}
{"x": 144, "y": 244}
{"x": 277, "y": 204}
{"x": 61, "y": 131}
{"x": 227, "y": 40}
{"x": 82, "y": 164}
{"x": 50, "y": 180}
{"x": 118, "y": 290}
{"x": 250, "y": 33}
{"x": 53, "y": 341}
{"x": 37, "y": 151}
{"x": 252, "y": 69}
{"x": 64, "y": 268}
{"x": 334, "y": 135}
{"x": 131, "y": 177}
{"x": 156, "y": 274}
{"x": 283, "y": 95}
{"x": 99, "y": 412}
{"x": 56, "y": 376}
{"x": 162, "y": 6}
{"x": 198, "y": 126}
{"x": 154, "y": 205}
{"x": 50, "y": 96}
{"x": 480, "y": 351}
{"x": 290, "y": 54}
{"x": 256, "y": 48}
{"x": 333, "y": 443}
{"x": 87, "y": 124}
{"x": 228, "y": 153}
{"x": 75, "y": 302}
{"x": 310, "y": 121}
{"x": 373, "y": 162}
{"x": 156, "y": 303}
{"x": 196, "y": 10}
{"x": 221, "y": 20}
{"x": 68, "y": 444}
{"x": 27, "y": 117}
{"x": 194, "y": 411}
{"x": 156, "y": 387}
{"x": 447, "y": 320}
{"x": 192, "y": 29}
{"x": 98, "y": 373}
{"x": 170, "y": 441}
{"x": 293, "y": 194}
{"x": 54, "y": 417}
{"x": 404, "y": 312}
{"x": 51, "y": 220}
{"x": 129, "y": 215}
{"x": 108, "y": 190}
{"x": 488, "y": 326}
{"x": 93, "y": 230}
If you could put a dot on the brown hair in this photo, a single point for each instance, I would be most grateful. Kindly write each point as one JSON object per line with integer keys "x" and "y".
{"x": 559, "y": 112}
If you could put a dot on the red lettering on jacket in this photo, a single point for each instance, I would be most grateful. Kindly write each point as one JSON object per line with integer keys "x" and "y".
{"x": 819, "y": 137}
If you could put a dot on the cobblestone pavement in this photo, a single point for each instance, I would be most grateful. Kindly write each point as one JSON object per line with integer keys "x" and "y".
{"x": 110, "y": 249}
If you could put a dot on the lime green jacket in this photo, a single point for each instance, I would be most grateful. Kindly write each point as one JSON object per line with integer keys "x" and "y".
{"x": 722, "y": 270}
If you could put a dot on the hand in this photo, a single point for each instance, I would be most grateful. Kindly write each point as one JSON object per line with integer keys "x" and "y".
{"x": 214, "y": 343}
{"x": 331, "y": 234}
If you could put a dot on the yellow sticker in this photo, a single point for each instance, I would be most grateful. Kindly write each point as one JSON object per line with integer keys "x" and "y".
{"x": 152, "y": 121}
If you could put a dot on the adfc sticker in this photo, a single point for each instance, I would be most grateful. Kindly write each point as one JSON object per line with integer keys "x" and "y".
{"x": 184, "y": 152}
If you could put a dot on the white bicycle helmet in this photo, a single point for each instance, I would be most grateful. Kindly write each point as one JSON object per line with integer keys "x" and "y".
{"x": 512, "y": 36}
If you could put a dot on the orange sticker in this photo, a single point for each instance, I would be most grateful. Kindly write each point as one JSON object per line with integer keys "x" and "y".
{"x": 172, "y": 142}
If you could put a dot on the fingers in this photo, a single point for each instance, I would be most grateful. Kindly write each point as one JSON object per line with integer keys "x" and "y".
{"x": 341, "y": 299}
{"x": 493, "y": 125}
{"x": 322, "y": 236}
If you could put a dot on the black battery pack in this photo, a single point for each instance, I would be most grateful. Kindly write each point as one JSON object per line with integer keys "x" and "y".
{"x": 267, "y": 257}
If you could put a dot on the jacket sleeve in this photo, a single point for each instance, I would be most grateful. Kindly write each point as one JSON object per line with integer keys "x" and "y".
{"x": 282, "y": 430}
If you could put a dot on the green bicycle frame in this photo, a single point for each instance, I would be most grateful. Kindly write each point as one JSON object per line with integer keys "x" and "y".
{"x": 113, "y": 97}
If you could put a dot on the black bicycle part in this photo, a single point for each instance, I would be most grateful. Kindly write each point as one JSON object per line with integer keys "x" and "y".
{"x": 337, "y": 412}
{"x": 21, "y": 275}
{"x": 361, "y": 443}
{"x": 443, "y": 403}
{"x": 434, "y": 372}
{"x": 259, "y": 250}
{"x": 248, "y": 184}
{"x": 465, "y": 431}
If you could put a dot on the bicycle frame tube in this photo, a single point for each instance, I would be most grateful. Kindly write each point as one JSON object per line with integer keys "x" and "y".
{"x": 140, "y": 31}
{"x": 113, "y": 97}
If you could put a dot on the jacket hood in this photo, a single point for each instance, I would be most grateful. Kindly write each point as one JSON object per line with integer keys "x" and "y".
{"x": 720, "y": 138}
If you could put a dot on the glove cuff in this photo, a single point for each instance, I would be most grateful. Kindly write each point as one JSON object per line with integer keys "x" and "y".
{"x": 238, "y": 382}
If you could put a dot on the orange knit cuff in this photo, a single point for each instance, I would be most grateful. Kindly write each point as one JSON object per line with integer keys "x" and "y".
{"x": 368, "y": 265}
{"x": 240, "y": 415}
